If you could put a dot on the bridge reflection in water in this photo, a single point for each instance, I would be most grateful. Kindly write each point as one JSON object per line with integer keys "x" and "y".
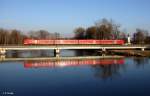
{"x": 71, "y": 63}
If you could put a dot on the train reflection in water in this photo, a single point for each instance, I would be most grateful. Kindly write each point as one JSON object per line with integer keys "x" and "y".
{"x": 69, "y": 63}
{"x": 104, "y": 67}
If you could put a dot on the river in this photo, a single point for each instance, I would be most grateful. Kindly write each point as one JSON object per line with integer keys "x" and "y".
{"x": 125, "y": 76}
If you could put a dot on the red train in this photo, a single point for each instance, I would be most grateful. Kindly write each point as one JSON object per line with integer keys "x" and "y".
{"x": 67, "y": 42}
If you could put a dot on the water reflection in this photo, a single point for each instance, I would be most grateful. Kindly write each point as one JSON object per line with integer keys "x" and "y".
{"x": 81, "y": 75}
{"x": 108, "y": 71}
{"x": 14, "y": 54}
{"x": 103, "y": 66}
{"x": 34, "y": 53}
{"x": 72, "y": 63}
{"x": 86, "y": 52}
{"x": 141, "y": 61}
{"x": 50, "y": 53}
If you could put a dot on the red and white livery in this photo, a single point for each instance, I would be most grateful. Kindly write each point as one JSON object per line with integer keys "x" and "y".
{"x": 72, "y": 42}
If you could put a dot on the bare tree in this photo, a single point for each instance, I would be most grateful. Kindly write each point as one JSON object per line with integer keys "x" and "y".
{"x": 15, "y": 37}
{"x": 139, "y": 36}
{"x": 91, "y": 33}
{"x": 4, "y": 37}
{"x": 42, "y": 34}
{"x": 79, "y": 33}
{"x": 107, "y": 29}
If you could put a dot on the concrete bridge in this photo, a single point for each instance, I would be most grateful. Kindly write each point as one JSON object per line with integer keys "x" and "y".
{"x": 57, "y": 48}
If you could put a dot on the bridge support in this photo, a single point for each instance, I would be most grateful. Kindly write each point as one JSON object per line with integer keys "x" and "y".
{"x": 142, "y": 49}
{"x": 2, "y": 51}
{"x": 56, "y": 52}
{"x": 103, "y": 50}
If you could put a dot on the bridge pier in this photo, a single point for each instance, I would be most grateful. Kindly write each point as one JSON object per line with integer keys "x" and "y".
{"x": 103, "y": 50}
{"x": 143, "y": 49}
{"x": 56, "y": 52}
{"x": 2, "y": 51}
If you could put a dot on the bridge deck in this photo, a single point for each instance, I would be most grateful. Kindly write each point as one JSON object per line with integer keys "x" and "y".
{"x": 38, "y": 47}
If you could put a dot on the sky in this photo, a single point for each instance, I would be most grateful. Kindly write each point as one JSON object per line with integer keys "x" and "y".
{"x": 63, "y": 16}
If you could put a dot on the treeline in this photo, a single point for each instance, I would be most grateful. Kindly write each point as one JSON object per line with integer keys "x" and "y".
{"x": 141, "y": 36}
{"x": 108, "y": 29}
{"x": 103, "y": 29}
{"x": 16, "y": 37}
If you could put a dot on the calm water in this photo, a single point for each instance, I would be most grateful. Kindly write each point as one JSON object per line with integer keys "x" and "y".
{"x": 111, "y": 77}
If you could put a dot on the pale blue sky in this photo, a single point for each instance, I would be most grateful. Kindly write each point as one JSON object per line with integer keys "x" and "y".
{"x": 64, "y": 16}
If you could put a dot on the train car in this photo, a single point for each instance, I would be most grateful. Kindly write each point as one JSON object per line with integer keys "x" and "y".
{"x": 29, "y": 41}
{"x": 121, "y": 42}
{"x": 102, "y": 42}
{"x": 38, "y": 42}
{"x": 67, "y": 42}
{"x": 87, "y": 42}
{"x": 73, "y": 42}
{"x": 111, "y": 42}
{"x": 45, "y": 42}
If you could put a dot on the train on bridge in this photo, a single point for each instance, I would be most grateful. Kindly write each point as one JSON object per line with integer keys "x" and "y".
{"x": 72, "y": 42}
